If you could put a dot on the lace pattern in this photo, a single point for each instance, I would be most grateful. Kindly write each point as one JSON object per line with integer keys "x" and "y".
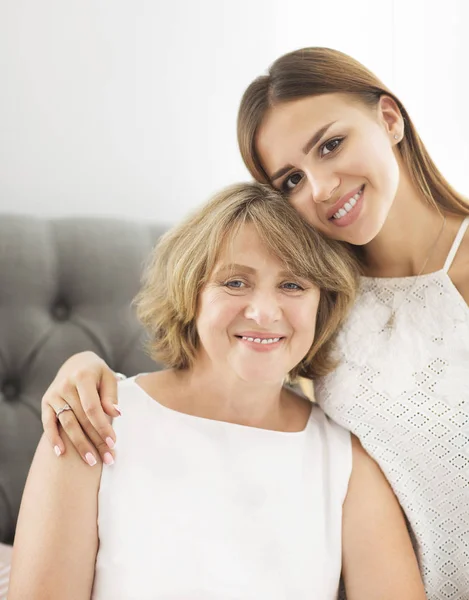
{"x": 405, "y": 394}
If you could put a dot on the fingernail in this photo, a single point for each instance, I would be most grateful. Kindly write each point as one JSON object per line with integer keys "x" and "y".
{"x": 57, "y": 450}
{"x": 118, "y": 410}
{"x": 110, "y": 442}
{"x": 90, "y": 459}
{"x": 108, "y": 460}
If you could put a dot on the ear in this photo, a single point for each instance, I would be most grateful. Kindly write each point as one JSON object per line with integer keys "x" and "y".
{"x": 390, "y": 116}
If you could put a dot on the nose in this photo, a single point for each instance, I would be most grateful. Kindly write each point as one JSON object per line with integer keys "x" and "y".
{"x": 263, "y": 308}
{"x": 321, "y": 184}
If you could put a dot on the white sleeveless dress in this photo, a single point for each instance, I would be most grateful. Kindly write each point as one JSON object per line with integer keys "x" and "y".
{"x": 405, "y": 394}
{"x": 196, "y": 509}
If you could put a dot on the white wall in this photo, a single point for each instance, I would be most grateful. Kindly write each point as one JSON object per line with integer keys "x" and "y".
{"x": 128, "y": 107}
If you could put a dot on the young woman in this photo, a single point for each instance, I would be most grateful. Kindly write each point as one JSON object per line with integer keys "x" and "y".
{"x": 229, "y": 485}
{"x": 344, "y": 152}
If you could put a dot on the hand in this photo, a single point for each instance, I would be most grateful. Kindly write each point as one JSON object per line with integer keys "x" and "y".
{"x": 89, "y": 386}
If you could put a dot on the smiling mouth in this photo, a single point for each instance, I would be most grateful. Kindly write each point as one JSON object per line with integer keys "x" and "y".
{"x": 262, "y": 341}
{"x": 347, "y": 206}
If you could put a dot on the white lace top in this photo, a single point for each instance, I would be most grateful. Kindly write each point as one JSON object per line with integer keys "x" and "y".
{"x": 405, "y": 394}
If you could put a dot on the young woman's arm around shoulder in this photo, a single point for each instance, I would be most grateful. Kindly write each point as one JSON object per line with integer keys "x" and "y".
{"x": 56, "y": 539}
{"x": 378, "y": 560}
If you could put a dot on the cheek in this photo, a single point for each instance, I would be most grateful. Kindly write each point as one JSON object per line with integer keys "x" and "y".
{"x": 304, "y": 319}
{"x": 303, "y": 203}
{"x": 216, "y": 311}
{"x": 375, "y": 159}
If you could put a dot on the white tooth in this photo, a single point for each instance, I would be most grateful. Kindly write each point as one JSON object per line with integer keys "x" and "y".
{"x": 257, "y": 340}
{"x": 336, "y": 216}
{"x": 276, "y": 339}
{"x": 265, "y": 342}
{"x": 250, "y": 339}
{"x": 348, "y": 207}
{"x": 353, "y": 201}
{"x": 342, "y": 212}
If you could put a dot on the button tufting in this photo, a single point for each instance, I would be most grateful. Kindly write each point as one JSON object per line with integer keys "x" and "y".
{"x": 61, "y": 312}
{"x": 10, "y": 390}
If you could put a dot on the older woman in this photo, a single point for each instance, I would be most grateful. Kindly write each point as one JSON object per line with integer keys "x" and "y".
{"x": 228, "y": 484}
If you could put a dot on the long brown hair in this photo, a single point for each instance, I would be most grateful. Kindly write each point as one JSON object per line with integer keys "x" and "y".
{"x": 315, "y": 71}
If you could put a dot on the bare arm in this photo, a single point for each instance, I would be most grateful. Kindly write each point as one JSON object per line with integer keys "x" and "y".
{"x": 378, "y": 560}
{"x": 89, "y": 386}
{"x": 56, "y": 539}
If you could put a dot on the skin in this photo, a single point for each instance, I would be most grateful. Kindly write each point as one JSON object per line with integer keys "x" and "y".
{"x": 396, "y": 225}
{"x": 258, "y": 296}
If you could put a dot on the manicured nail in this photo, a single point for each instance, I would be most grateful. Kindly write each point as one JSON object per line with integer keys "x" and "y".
{"x": 90, "y": 459}
{"x": 110, "y": 442}
{"x": 118, "y": 410}
{"x": 57, "y": 450}
{"x": 108, "y": 460}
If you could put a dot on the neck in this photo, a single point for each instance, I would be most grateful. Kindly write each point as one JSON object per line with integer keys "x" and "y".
{"x": 237, "y": 401}
{"x": 411, "y": 238}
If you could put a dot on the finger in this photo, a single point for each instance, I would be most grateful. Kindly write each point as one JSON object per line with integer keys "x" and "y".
{"x": 108, "y": 393}
{"x": 89, "y": 445}
{"x": 90, "y": 404}
{"x": 89, "y": 440}
{"x": 51, "y": 429}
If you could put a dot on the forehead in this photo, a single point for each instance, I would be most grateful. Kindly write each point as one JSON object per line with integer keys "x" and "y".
{"x": 288, "y": 126}
{"x": 245, "y": 246}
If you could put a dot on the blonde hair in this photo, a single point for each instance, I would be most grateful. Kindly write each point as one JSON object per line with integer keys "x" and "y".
{"x": 315, "y": 71}
{"x": 185, "y": 256}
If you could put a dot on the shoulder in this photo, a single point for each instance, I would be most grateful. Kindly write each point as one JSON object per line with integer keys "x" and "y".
{"x": 140, "y": 399}
{"x": 367, "y": 476}
{"x": 334, "y": 449}
{"x": 137, "y": 386}
{"x": 330, "y": 428}
{"x": 361, "y": 458}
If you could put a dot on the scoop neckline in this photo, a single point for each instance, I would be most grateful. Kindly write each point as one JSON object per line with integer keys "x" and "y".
{"x": 218, "y": 423}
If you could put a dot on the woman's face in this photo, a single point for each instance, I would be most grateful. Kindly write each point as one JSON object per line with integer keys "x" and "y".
{"x": 255, "y": 320}
{"x": 334, "y": 158}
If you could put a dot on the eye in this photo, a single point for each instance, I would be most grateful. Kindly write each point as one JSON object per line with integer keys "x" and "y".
{"x": 290, "y": 286}
{"x": 235, "y": 284}
{"x": 330, "y": 146}
{"x": 291, "y": 182}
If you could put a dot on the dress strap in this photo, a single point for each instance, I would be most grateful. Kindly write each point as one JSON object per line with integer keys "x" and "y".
{"x": 456, "y": 244}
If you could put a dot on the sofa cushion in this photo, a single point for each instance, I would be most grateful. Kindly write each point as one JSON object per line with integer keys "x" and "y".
{"x": 66, "y": 286}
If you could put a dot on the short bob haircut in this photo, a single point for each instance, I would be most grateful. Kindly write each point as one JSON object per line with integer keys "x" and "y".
{"x": 185, "y": 257}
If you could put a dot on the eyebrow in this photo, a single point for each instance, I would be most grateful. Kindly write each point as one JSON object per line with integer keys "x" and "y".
{"x": 236, "y": 267}
{"x": 314, "y": 139}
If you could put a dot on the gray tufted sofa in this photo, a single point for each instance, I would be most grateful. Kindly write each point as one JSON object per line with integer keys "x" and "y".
{"x": 65, "y": 286}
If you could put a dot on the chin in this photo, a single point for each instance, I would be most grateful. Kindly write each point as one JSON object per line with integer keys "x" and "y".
{"x": 361, "y": 235}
